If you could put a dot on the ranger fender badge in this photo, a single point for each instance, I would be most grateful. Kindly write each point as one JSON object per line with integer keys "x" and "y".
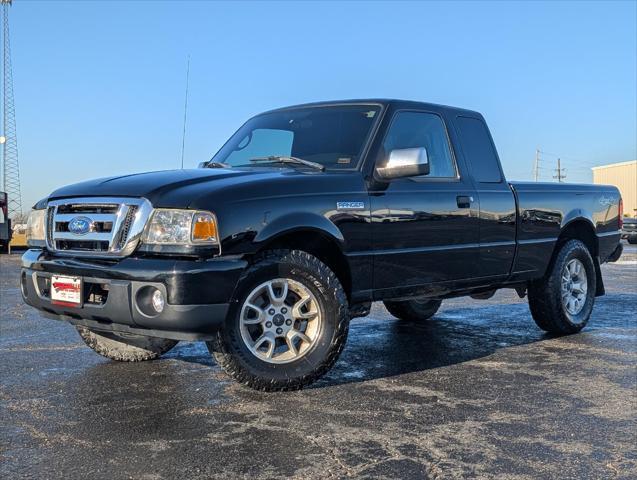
{"x": 350, "y": 205}
{"x": 606, "y": 201}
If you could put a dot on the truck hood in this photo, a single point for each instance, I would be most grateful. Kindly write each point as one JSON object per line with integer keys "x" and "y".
{"x": 175, "y": 188}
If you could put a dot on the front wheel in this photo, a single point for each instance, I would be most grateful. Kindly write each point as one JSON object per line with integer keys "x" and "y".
{"x": 125, "y": 347}
{"x": 563, "y": 300}
{"x": 288, "y": 325}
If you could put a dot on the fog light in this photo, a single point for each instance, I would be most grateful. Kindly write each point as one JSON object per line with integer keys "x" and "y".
{"x": 158, "y": 301}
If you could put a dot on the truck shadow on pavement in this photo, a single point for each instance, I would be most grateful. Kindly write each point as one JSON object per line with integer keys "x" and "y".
{"x": 381, "y": 346}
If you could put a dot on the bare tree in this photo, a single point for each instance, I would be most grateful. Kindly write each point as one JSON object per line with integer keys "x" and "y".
{"x": 19, "y": 218}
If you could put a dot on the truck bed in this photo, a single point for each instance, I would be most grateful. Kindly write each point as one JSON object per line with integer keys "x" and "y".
{"x": 545, "y": 209}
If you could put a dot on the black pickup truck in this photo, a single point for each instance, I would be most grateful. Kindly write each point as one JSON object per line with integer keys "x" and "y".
{"x": 306, "y": 216}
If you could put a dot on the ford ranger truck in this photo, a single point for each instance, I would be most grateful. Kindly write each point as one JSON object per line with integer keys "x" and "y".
{"x": 306, "y": 216}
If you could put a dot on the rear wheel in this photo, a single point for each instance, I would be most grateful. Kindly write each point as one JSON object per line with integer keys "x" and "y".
{"x": 288, "y": 325}
{"x": 413, "y": 310}
{"x": 563, "y": 300}
{"x": 125, "y": 347}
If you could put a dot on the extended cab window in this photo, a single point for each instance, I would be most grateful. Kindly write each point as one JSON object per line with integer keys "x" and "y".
{"x": 334, "y": 136}
{"x": 418, "y": 129}
{"x": 478, "y": 149}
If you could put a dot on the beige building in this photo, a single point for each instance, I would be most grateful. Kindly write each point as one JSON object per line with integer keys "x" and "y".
{"x": 624, "y": 176}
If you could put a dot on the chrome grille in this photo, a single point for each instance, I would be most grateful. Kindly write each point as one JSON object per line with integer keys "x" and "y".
{"x": 126, "y": 226}
{"x": 49, "y": 221}
{"x": 114, "y": 225}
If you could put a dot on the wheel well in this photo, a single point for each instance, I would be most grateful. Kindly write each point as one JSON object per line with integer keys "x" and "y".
{"x": 580, "y": 230}
{"x": 322, "y": 246}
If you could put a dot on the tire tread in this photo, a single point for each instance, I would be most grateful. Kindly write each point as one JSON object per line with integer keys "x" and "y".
{"x": 545, "y": 293}
{"x": 118, "y": 350}
{"x": 228, "y": 362}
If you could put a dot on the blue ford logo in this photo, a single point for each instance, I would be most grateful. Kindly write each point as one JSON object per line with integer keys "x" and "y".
{"x": 80, "y": 225}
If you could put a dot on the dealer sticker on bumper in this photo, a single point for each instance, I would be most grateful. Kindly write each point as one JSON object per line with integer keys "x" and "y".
{"x": 66, "y": 290}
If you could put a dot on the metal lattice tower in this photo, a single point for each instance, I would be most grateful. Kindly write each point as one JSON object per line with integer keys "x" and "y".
{"x": 10, "y": 165}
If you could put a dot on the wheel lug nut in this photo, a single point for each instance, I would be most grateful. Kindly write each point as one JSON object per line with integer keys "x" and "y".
{"x": 271, "y": 311}
{"x": 288, "y": 322}
{"x": 279, "y": 331}
{"x": 284, "y": 310}
{"x": 268, "y": 324}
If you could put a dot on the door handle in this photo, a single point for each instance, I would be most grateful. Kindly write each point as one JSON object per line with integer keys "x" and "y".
{"x": 464, "y": 201}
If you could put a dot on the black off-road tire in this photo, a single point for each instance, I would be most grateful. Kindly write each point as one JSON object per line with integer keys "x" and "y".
{"x": 125, "y": 347}
{"x": 545, "y": 294}
{"x": 413, "y": 310}
{"x": 234, "y": 357}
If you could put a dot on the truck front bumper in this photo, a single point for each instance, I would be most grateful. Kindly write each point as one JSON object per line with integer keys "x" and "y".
{"x": 197, "y": 293}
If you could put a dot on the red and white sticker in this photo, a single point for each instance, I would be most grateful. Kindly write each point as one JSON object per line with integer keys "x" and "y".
{"x": 66, "y": 291}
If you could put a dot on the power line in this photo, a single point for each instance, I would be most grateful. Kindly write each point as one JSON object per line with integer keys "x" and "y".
{"x": 572, "y": 159}
{"x": 573, "y": 165}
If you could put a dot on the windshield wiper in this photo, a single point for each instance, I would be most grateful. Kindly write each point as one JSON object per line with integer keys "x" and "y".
{"x": 286, "y": 159}
{"x": 212, "y": 164}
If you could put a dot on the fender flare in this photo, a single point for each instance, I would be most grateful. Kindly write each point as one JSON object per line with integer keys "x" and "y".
{"x": 293, "y": 222}
{"x": 575, "y": 215}
{"x": 578, "y": 215}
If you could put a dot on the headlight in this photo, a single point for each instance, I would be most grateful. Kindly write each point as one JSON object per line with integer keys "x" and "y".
{"x": 36, "y": 229}
{"x": 187, "y": 228}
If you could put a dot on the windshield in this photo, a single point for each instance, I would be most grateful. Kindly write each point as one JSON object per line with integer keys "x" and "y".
{"x": 331, "y": 136}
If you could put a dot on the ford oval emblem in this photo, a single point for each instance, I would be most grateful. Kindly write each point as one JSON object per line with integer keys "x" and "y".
{"x": 80, "y": 225}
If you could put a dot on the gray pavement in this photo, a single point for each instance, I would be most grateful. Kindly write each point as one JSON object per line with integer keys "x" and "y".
{"x": 477, "y": 392}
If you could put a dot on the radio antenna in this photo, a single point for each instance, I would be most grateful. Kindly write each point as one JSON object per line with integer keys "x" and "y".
{"x": 183, "y": 136}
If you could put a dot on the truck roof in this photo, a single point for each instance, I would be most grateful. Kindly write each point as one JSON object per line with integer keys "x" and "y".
{"x": 396, "y": 103}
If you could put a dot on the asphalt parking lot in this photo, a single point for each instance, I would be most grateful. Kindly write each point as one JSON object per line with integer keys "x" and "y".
{"x": 479, "y": 391}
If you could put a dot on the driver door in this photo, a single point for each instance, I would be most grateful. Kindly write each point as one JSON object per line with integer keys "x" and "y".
{"x": 425, "y": 228}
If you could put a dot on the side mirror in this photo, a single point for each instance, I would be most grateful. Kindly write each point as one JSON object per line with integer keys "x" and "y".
{"x": 405, "y": 162}
{"x": 202, "y": 165}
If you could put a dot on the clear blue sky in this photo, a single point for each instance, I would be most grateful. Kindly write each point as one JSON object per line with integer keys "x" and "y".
{"x": 99, "y": 86}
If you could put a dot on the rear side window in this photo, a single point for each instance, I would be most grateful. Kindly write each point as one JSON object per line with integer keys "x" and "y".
{"x": 478, "y": 149}
{"x": 419, "y": 129}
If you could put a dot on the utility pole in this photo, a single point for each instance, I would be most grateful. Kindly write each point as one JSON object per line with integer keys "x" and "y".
{"x": 561, "y": 173}
{"x": 8, "y": 135}
{"x": 536, "y": 166}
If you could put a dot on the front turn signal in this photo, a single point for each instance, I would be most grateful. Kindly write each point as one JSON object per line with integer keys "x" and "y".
{"x": 204, "y": 228}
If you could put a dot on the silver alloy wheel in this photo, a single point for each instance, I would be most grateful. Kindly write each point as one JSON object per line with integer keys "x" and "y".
{"x": 280, "y": 320}
{"x": 574, "y": 286}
